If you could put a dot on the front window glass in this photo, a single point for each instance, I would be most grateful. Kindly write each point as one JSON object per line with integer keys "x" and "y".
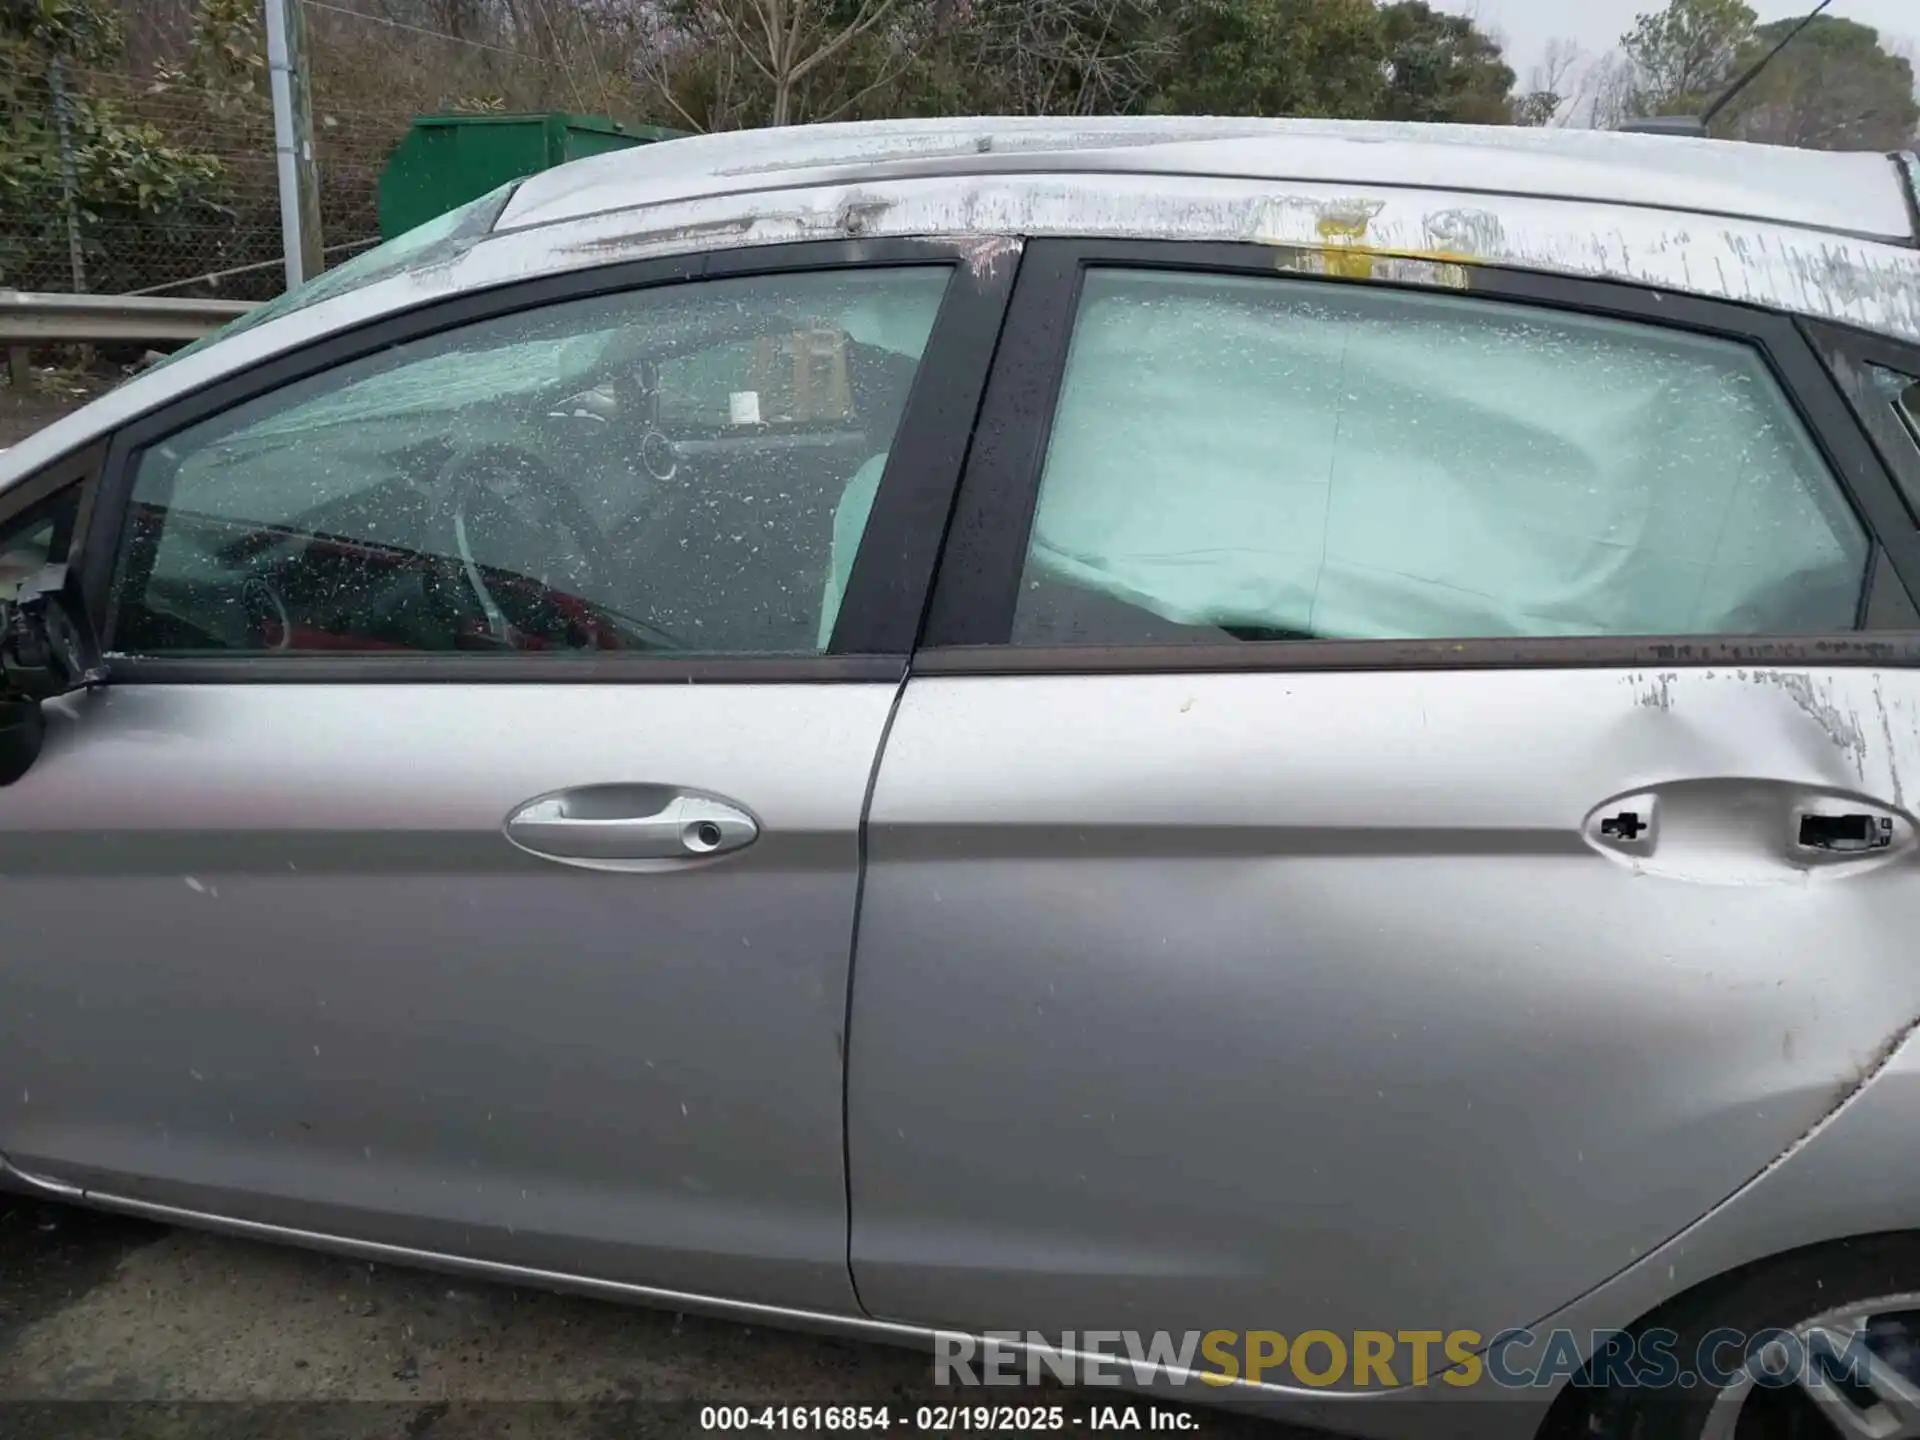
{"x": 596, "y": 474}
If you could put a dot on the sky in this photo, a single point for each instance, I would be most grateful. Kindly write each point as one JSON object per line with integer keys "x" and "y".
{"x": 1597, "y": 25}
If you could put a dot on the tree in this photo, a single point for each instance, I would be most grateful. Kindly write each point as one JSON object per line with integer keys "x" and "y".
{"x": 1061, "y": 57}
{"x": 782, "y": 42}
{"x": 1609, "y": 93}
{"x": 1684, "y": 55}
{"x": 70, "y": 166}
{"x": 226, "y": 63}
{"x": 1833, "y": 88}
{"x": 1277, "y": 57}
{"x": 1441, "y": 67}
{"x": 1548, "y": 85}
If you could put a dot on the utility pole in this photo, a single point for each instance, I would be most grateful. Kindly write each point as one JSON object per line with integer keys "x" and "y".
{"x": 69, "y": 182}
{"x": 287, "y": 76}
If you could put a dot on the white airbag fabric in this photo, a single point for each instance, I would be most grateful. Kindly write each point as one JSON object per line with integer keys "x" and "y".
{"x": 1357, "y": 463}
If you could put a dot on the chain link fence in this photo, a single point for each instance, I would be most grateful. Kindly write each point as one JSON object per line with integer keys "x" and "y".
{"x": 154, "y": 171}
{"x": 155, "y": 185}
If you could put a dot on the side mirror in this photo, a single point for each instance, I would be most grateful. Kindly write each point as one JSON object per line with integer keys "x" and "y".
{"x": 47, "y": 648}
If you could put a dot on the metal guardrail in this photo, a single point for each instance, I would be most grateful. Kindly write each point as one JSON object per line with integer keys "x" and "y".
{"x": 29, "y": 318}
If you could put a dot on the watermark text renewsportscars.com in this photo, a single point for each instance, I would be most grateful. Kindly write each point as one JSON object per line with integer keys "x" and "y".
{"x": 1394, "y": 1359}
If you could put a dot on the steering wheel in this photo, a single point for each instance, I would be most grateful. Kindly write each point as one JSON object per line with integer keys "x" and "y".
{"x": 512, "y": 512}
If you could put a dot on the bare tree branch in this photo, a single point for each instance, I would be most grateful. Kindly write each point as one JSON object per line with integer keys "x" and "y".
{"x": 887, "y": 78}
{"x": 768, "y": 14}
{"x": 740, "y": 44}
{"x": 863, "y": 22}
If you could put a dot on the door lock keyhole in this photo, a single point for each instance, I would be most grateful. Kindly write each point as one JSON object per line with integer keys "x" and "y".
{"x": 702, "y": 837}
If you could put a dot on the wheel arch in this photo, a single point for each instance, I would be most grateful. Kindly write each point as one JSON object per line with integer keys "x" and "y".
{"x": 1726, "y": 1294}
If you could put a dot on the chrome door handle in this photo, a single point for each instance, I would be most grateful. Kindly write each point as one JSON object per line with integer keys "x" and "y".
{"x": 624, "y": 827}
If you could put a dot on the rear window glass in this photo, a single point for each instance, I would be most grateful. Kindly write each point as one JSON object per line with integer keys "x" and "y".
{"x": 1268, "y": 459}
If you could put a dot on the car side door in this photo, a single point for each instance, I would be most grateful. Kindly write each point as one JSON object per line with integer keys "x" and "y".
{"x": 462, "y": 853}
{"x": 1396, "y": 814}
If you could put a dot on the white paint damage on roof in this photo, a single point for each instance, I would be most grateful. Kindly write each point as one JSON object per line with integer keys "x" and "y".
{"x": 1409, "y": 235}
{"x": 1856, "y": 193}
{"x": 1857, "y": 282}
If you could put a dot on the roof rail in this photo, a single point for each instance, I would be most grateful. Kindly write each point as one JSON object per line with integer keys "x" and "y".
{"x": 1689, "y": 126}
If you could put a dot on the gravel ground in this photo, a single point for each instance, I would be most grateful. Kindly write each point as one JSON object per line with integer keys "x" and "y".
{"x": 23, "y": 411}
{"x": 115, "y": 1327}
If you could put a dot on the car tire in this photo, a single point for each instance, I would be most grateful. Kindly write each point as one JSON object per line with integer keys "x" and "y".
{"x": 1783, "y": 1294}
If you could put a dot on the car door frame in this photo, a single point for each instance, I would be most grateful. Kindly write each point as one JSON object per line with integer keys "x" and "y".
{"x": 47, "y": 490}
{"x": 891, "y": 578}
{"x": 1847, "y": 353}
{"x": 882, "y": 605}
{"x": 970, "y": 616}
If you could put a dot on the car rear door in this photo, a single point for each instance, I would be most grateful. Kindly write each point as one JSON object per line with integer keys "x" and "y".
{"x": 431, "y": 872}
{"x": 1397, "y": 815}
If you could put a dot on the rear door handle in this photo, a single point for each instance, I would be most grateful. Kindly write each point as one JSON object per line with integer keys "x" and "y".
{"x": 1845, "y": 833}
{"x": 1744, "y": 830}
{"x": 630, "y": 827}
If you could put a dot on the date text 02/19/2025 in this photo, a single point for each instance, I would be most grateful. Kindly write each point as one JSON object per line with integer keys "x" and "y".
{"x": 945, "y": 1419}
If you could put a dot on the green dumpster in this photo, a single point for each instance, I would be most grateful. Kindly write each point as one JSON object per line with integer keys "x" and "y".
{"x": 447, "y": 160}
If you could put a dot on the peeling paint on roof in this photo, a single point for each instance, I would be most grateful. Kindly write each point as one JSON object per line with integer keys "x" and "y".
{"x": 1834, "y": 277}
{"x": 1858, "y": 194}
{"x": 1340, "y": 229}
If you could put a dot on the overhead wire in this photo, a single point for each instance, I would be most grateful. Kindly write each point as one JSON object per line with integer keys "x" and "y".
{"x": 422, "y": 30}
{"x": 559, "y": 61}
{"x": 546, "y": 18}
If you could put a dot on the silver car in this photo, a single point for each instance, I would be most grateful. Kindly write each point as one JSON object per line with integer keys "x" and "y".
{"x": 1195, "y": 740}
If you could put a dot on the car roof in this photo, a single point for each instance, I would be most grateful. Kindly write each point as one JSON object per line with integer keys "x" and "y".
{"x": 1827, "y": 236}
{"x": 1861, "y": 194}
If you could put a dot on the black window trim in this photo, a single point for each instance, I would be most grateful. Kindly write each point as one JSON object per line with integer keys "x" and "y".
{"x": 60, "y": 507}
{"x": 1847, "y": 354}
{"x": 892, "y": 575}
{"x": 46, "y": 491}
{"x": 970, "y": 618}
